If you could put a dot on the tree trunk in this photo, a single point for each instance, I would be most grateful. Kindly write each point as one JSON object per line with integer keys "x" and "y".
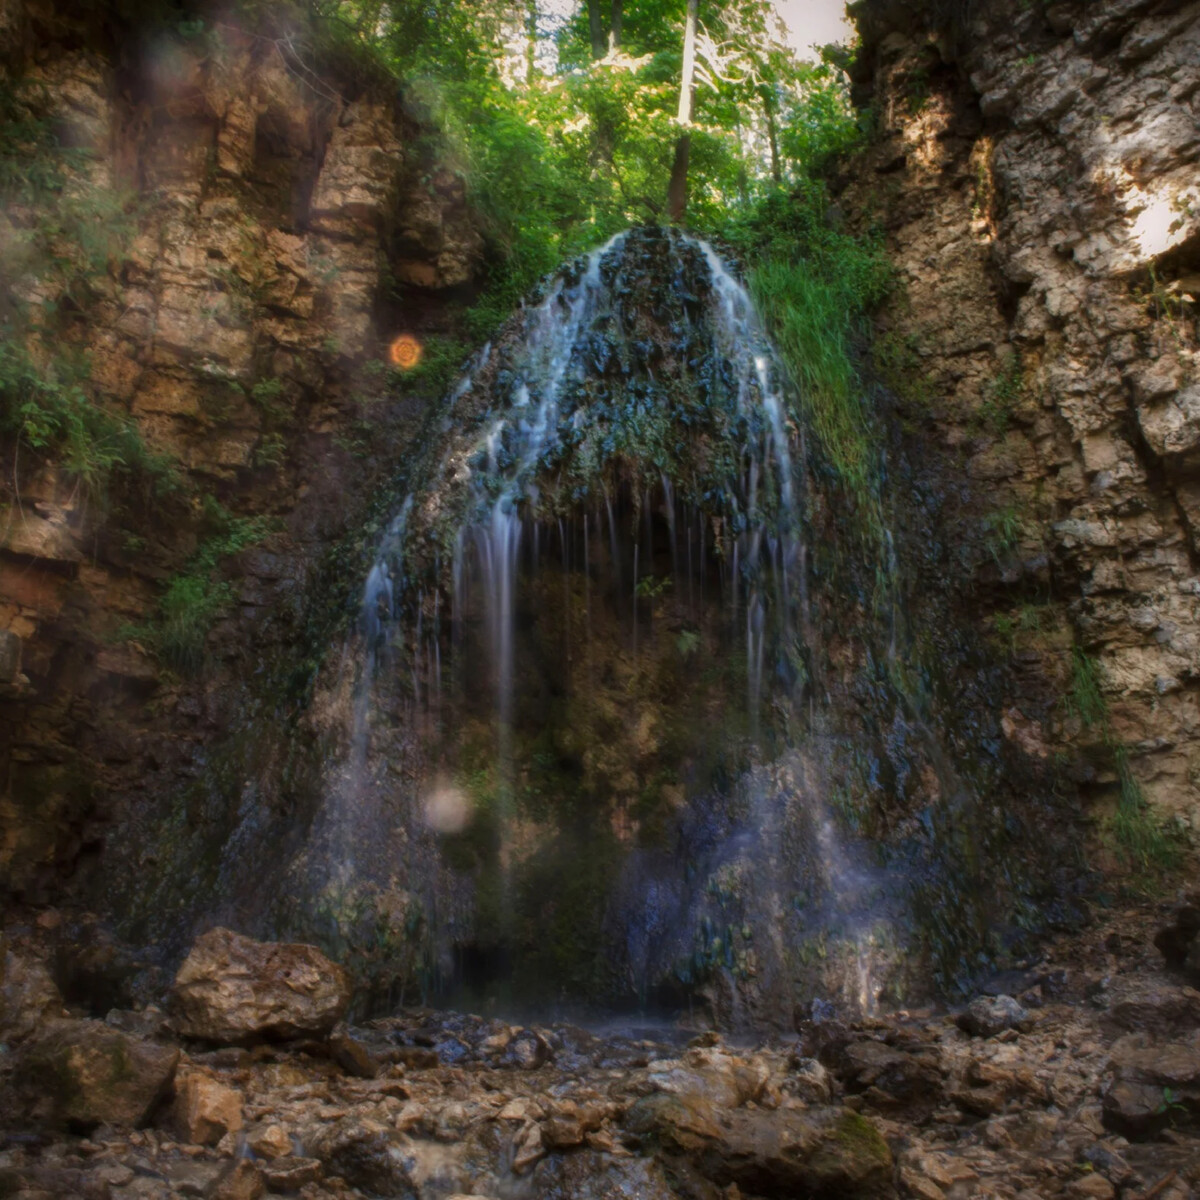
{"x": 596, "y": 30}
{"x": 614, "y": 30}
{"x": 531, "y": 32}
{"x": 677, "y": 188}
{"x": 772, "y": 134}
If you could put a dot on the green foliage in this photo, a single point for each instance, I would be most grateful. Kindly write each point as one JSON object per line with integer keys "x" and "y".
{"x": 1003, "y": 395}
{"x": 50, "y": 410}
{"x": 814, "y": 285}
{"x": 64, "y": 232}
{"x": 196, "y": 597}
{"x": 1138, "y": 836}
{"x": 1085, "y": 699}
{"x": 559, "y": 150}
{"x": 1002, "y": 532}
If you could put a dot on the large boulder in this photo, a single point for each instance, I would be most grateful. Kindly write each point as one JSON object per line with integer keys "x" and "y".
{"x": 232, "y": 989}
{"x": 85, "y": 1073}
{"x": 1154, "y": 1083}
{"x": 821, "y": 1153}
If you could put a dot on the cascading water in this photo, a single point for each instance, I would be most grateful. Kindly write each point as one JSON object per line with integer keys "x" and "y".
{"x": 591, "y": 749}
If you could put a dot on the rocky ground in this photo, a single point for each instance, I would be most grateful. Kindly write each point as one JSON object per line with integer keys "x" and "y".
{"x": 1079, "y": 1076}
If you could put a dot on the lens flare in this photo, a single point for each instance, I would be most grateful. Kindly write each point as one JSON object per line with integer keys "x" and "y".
{"x": 405, "y": 352}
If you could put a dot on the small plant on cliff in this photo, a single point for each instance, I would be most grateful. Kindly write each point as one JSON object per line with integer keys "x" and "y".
{"x": 195, "y": 598}
{"x": 1137, "y": 836}
{"x": 1085, "y": 699}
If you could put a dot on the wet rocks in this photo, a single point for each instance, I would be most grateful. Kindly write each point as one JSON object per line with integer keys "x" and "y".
{"x": 84, "y": 1073}
{"x": 781, "y": 1153}
{"x": 1155, "y": 1083}
{"x": 891, "y": 1078}
{"x": 205, "y": 1108}
{"x": 28, "y": 997}
{"x": 987, "y": 1016}
{"x": 367, "y": 1155}
{"x": 242, "y": 1180}
{"x": 352, "y": 1055}
{"x": 1153, "y": 1007}
{"x": 233, "y": 989}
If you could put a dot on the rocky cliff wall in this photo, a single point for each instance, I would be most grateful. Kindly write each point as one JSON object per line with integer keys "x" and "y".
{"x": 273, "y": 219}
{"x": 1036, "y": 175}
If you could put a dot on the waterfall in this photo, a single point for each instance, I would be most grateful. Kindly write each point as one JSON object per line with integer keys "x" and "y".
{"x": 640, "y": 391}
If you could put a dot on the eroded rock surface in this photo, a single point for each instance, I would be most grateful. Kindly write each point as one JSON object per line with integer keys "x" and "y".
{"x": 233, "y": 989}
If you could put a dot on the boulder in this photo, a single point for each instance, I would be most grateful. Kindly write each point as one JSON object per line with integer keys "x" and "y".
{"x": 782, "y": 1153}
{"x": 591, "y": 1175}
{"x": 367, "y": 1155}
{"x": 352, "y": 1056}
{"x": 87, "y": 1073}
{"x": 232, "y": 989}
{"x": 987, "y": 1016}
{"x": 205, "y": 1109}
{"x": 28, "y": 997}
{"x": 242, "y": 1180}
{"x": 526, "y": 1050}
{"x": 891, "y": 1076}
{"x": 1150, "y": 1007}
{"x": 1155, "y": 1083}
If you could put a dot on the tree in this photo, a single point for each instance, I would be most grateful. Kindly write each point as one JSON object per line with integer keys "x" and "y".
{"x": 604, "y": 25}
{"x": 677, "y": 187}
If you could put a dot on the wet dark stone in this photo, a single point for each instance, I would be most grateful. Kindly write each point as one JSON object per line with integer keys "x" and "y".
{"x": 452, "y": 1051}
{"x": 527, "y": 1051}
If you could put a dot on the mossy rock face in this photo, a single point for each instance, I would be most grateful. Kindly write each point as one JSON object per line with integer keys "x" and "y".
{"x": 84, "y": 1073}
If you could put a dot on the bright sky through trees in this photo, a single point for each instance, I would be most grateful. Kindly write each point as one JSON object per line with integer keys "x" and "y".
{"x": 812, "y": 22}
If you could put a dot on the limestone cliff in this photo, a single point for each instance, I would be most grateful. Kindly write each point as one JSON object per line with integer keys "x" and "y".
{"x": 273, "y": 220}
{"x": 1036, "y": 174}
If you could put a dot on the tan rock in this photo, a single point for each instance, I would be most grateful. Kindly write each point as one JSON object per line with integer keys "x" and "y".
{"x": 1091, "y": 1187}
{"x": 233, "y": 989}
{"x": 240, "y": 1181}
{"x": 271, "y": 1141}
{"x": 205, "y": 1109}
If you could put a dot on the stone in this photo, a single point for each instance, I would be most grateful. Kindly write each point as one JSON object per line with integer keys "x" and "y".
{"x": 242, "y": 1180}
{"x": 902, "y": 1076}
{"x": 352, "y": 1056}
{"x": 526, "y": 1050}
{"x": 367, "y": 1155}
{"x": 593, "y": 1175}
{"x": 987, "y": 1016}
{"x": 1155, "y": 1083}
{"x": 808, "y": 1080}
{"x": 232, "y": 989}
{"x": 29, "y": 997}
{"x": 527, "y": 1147}
{"x": 1155, "y": 1008}
{"x": 1090, "y": 1187}
{"x": 832, "y": 1152}
{"x": 290, "y": 1174}
{"x": 88, "y": 1073}
{"x": 270, "y": 1141}
{"x": 205, "y": 1109}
